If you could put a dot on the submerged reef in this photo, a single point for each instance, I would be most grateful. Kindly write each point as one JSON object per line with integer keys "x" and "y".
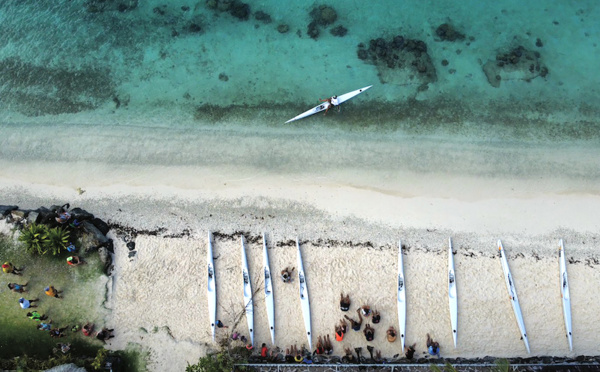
{"x": 398, "y": 59}
{"x": 323, "y": 16}
{"x": 516, "y": 64}
{"x": 236, "y": 8}
{"x": 99, "y": 6}
{"x": 447, "y": 32}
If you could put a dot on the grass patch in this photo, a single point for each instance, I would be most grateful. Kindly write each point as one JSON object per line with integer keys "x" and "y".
{"x": 83, "y": 290}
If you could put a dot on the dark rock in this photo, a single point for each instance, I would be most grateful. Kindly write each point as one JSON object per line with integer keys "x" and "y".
{"x": 263, "y": 17}
{"x": 444, "y": 62}
{"x": 223, "y": 77}
{"x": 363, "y": 54}
{"x": 97, "y": 238}
{"x": 447, "y": 32}
{"x": 110, "y": 245}
{"x": 98, "y": 6}
{"x": 132, "y": 254}
{"x": 339, "y": 31}
{"x": 131, "y": 246}
{"x": 19, "y": 214}
{"x": 538, "y": 43}
{"x": 46, "y": 216}
{"x": 81, "y": 215}
{"x": 211, "y": 4}
{"x": 324, "y": 15}
{"x": 174, "y": 33}
{"x": 283, "y": 28}
{"x": 33, "y": 217}
{"x": 194, "y": 27}
{"x": 313, "y": 30}
{"x": 5, "y": 209}
{"x": 544, "y": 71}
{"x": 240, "y": 10}
{"x": 101, "y": 225}
{"x": 185, "y": 8}
{"x": 398, "y": 42}
{"x": 105, "y": 258}
{"x": 159, "y": 10}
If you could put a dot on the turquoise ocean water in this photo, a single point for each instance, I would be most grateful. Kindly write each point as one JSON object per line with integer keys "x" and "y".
{"x": 212, "y": 82}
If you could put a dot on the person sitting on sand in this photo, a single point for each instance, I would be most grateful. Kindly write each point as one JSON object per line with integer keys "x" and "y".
{"x": 235, "y": 335}
{"x": 34, "y": 315}
{"x": 409, "y": 351}
{"x": 378, "y": 357}
{"x": 71, "y": 247}
{"x": 320, "y": 349}
{"x": 52, "y": 292}
{"x": 327, "y": 345}
{"x": 220, "y": 324}
{"x": 339, "y": 333}
{"x": 307, "y": 359}
{"x": 289, "y": 358}
{"x": 433, "y": 348}
{"x": 353, "y": 323}
{"x": 62, "y": 215}
{"x": 87, "y": 329}
{"x": 75, "y": 261}
{"x": 369, "y": 332}
{"x": 45, "y": 326}
{"x": 264, "y": 350}
{"x": 297, "y": 355}
{"x": 9, "y": 268}
{"x": 26, "y": 304}
{"x": 58, "y": 332}
{"x": 64, "y": 348}
{"x": 105, "y": 334}
{"x": 349, "y": 357}
{"x": 366, "y": 310}
{"x": 344, "y": 302}
{"x": 249, "y": 346}
{"x": 391, "y": 334}
{"x": 376, "y": 317}
{"x": 286, "y": 274}
{"x": 18, "y": 288}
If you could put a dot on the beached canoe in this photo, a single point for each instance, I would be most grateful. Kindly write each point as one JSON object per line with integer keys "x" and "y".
{"x": 212, "y": 286}
{"x": 566, "y": 296}
{"x": 452, "y": 293}
{"x": 248, "y": 303}
{"x": 304, "y": 301}
{"x": 269, "y": 290}
{"x": 401, "y": 297}
{"x": 325, "y": 105}
{"x": 512, "y": 293}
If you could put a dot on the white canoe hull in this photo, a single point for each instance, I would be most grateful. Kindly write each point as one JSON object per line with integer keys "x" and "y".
{"x": 401, "y": 297}
{"x": 212, "y": 286}
{"x": 566, "y": 295}
{"x": 512, "y": 293}
{"x": 322, "y": 107}
{"x": 304, "y": 301}
{"x": 269, "y": 301}
{"x": 248, "y": 303}
{"x": 452, "y": 293}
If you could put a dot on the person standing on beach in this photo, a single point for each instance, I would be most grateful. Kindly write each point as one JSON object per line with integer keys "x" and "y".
{"x": 9, "y": 268}
{"x": 18, "y": 288}
{"x": 433, "y": 347}
{"x": 52, "y": 292}
{"x": 26, "y": 304}
{"x": 409, "y": 351}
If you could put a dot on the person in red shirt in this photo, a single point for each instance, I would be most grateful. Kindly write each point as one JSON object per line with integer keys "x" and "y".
{"x": 264, "y": 350}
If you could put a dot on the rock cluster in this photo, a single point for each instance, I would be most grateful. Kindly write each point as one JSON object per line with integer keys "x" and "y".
{"x": 399, "y": 53}
{"x": 236, "y": 8}
{"x": 91, "y": 232}
{"x": 323, "y": 16}
{"x": 99, "y": 6}
{"x": 447, "y": 32}
{"x": 517, "y": 64}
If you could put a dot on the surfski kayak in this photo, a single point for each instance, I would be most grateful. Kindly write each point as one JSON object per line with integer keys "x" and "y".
{"x": 452, "y": 293}
{"x": 323, "y": 106}
{"x": 566, "y": 296}
{"x": 269, "y": 290}
{"x": 401, "y": 297}
{"x": 212, "y": 286}
{"x": 512, "y": 294}
{"x": 248, "y": 303}
{"x": 304, "y": 297}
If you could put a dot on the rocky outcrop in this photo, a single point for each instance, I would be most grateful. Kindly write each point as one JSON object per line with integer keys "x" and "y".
{"x": 516, "y": 64}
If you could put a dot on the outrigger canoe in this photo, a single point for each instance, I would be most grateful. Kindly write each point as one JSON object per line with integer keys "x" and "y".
{"x": 566, "y": 296}
{"x": 212, "y": 286}
{"x": 248, "y": 303}
{"x": 452, "y": 293}
{"x": 304, "y": 301}
{"x": 325, "y": 105}
{"x": 401, "y": 297}
{"x": 269, "y": 290}
{"x": 512, "y": 294}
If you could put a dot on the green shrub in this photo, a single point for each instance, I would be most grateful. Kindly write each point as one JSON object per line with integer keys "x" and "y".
{"x": 35, "y": 238}
{"x": 58, "y": 239}
{"x": 100, "y": 359}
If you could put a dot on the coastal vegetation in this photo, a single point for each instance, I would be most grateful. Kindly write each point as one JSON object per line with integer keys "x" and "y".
{"x": 41, "y": 239}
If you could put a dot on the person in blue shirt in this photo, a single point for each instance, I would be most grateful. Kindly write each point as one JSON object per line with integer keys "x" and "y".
{"x": 433, "y": 347}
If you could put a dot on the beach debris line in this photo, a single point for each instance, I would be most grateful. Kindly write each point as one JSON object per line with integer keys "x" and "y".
{"x": 512, "y": 294}
{"x": 248, "y": 302}
{"x": 452, "y": 293}
{"x": 304, "y": 301}
{"x": 212, "y": 286}
{"x": 269, "y": 301}
{"x": 565, "y": 293}
{"x": 401, "y": 297}
{"x": 329, "y": 103}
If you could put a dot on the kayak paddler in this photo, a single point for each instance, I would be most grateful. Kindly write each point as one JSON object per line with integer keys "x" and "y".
{"x": 333, "y": 101}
